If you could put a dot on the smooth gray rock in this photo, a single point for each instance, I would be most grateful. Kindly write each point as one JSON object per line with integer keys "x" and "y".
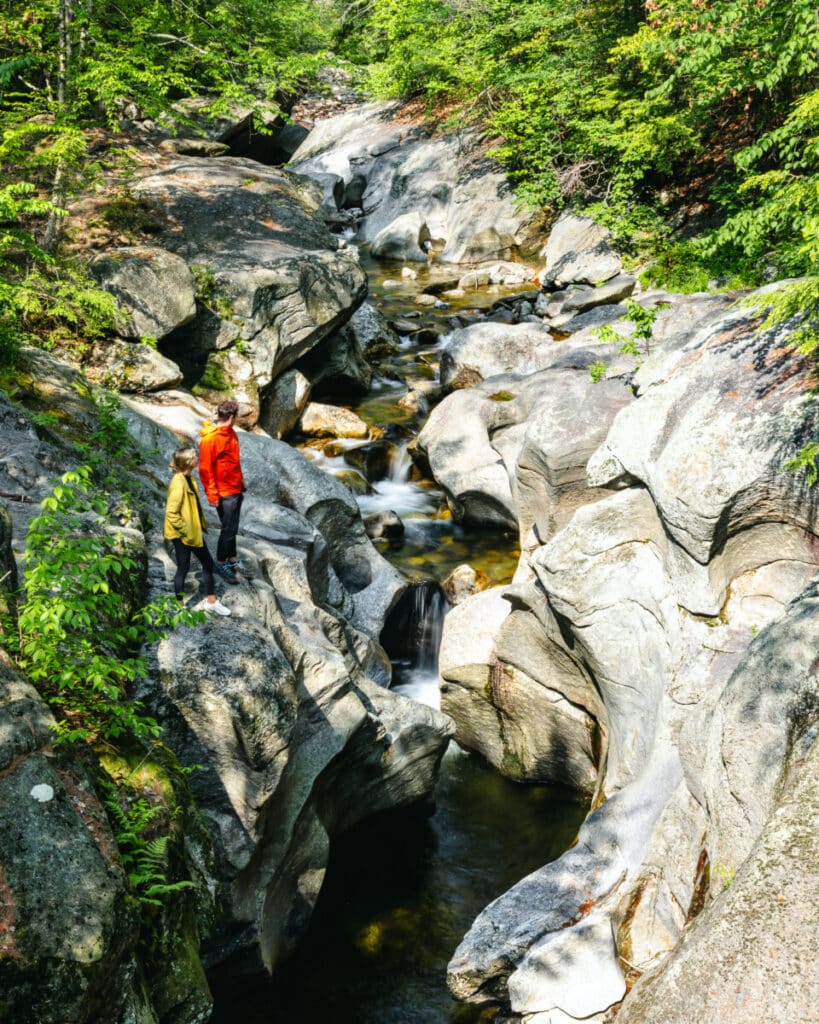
{"x": 513, "y": 448}
{"x": 578, "y": 251}
{"x": 276, "y": 272}
{"x": 752, "y": 954}
{"x": 760, "y": 728}
{"x": 154, "y": 289}
{"x": 709, "y": 435}
{"x": 456, "y": 443}
{"x": 516, "y": 719}
{"x": 273, "y": 716}
{"x": 483, "y": 350}
{"x": 403, "y": 239}
{"x": 580, "y": 298}
{"x": 283, "y": 403}
{"x": 126, "y": 366}
{"x": 698, "y": 734}
{"x": 566, "y": 426}
{"x": 465, "y": 208}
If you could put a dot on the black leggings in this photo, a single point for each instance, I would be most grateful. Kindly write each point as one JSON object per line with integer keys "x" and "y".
{"x": 183, "y": 563}
{"x": 228, "y": 510}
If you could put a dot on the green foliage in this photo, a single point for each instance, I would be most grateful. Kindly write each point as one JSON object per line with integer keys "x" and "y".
{"x": 606, "y": 105}
{"x": 722, "y": 874}
{"x": 61, "y": 75}
{"x": 79, "y": 637}
{"x": 110, "y": 452}
{"x": 643, "y": 318}
{"x": 144, "y": 856}
{"x": 806, "y": 460}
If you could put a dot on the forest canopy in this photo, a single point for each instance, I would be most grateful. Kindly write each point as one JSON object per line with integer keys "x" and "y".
{"x": 689, "y": 127}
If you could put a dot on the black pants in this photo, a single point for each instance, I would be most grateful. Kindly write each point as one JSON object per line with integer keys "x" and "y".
{"x": 228, "y": 509}
{"x": 183, "y": 563}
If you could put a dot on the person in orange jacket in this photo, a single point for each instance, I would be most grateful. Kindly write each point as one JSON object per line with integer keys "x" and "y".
{"x": 220, "y": 471}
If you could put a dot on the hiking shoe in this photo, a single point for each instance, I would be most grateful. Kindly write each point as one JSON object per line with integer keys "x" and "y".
{"x": 240, "y": 570}
{"x": 214, "y": 607}
{"x": 227, "y": 571}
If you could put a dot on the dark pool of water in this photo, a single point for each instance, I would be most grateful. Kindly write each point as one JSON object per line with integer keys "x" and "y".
{"x": 400, "y": 894}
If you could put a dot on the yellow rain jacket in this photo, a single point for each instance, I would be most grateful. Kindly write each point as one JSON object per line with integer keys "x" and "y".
{"x": 183, "y": 512}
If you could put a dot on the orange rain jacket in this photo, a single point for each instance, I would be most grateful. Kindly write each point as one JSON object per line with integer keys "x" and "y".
{"x": 219, "y": 468}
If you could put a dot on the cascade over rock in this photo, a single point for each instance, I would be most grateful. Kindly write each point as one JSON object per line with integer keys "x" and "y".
{"x": 416, "y": 194}
{"x": 645, "y": 602}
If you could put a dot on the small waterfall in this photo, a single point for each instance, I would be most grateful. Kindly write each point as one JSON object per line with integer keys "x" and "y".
{"x": 414, "y": 639}
{"x": 431, "y": 607}
{"x": 400, "y": 466}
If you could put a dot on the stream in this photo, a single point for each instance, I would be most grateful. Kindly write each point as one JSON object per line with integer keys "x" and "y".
{"x": 403, "y": 888}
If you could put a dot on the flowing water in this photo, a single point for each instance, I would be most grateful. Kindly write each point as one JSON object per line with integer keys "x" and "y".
{"x": 403, "y": 888}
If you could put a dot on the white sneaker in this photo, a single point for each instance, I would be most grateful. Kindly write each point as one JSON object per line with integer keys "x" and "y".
{"x": 215, "y": 607}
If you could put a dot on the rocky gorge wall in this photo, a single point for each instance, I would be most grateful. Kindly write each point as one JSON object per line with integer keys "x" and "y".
{"x": 656, "y": 649}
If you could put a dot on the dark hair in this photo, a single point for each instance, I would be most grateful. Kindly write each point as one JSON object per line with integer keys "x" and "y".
{"x": 227, "y": 409}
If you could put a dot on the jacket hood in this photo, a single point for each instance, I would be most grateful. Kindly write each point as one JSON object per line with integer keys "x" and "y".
{"x": 209, "y": 429}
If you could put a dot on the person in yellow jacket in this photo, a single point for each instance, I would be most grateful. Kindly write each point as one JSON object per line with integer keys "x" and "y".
{"x": 185, "y": 527}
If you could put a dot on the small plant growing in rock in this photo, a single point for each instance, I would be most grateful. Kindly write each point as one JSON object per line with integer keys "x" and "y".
{"x": 110, "y": 451}
{"x": 643, "y": 319}
{"x": 144, "y": 856}
{"x": 806, "y": 460}
{"x": 723, "y": 874}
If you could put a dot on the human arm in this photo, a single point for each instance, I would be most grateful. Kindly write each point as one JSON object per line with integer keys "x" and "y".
{"x": 207, "y": 470}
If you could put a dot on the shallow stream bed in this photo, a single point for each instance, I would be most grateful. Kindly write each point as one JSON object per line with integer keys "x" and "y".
{"x": 403, "y": 888}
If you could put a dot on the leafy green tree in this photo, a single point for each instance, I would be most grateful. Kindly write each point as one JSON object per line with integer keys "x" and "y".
{"x": 67, "y": 65}
{"x": 79, "y": 636}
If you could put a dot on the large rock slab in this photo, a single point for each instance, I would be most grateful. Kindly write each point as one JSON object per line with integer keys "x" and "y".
{"x": 362, "y": 585}
{"x": 506, "y": 708}
{"x": 276, "y": 282}
{"x": 297, "y": 741}
{"x": 153, "y": 287}
{"x": 752, "y": 954}
{"x": 68, "y": 930}
{"x": 419, "y": 193}
{"x": 512, "y": 450}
